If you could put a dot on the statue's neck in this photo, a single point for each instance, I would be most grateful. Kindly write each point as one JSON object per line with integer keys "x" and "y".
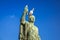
{"x": 31, "y": 22}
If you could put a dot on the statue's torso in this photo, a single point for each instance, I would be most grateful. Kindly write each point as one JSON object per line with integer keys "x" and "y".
{"x": 32, "y": 32}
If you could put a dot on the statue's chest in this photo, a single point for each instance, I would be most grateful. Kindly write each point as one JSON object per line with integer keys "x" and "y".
{"x": 31, "y": 28}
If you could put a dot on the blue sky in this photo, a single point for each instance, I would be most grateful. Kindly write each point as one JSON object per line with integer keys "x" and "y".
{"x": 47, "y": 13}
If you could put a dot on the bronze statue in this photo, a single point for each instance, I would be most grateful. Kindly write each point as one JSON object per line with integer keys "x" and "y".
{"x": 28, "y": 31}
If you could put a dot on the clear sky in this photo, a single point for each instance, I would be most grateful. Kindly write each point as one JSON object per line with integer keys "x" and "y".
{"x": 47, "y": 13}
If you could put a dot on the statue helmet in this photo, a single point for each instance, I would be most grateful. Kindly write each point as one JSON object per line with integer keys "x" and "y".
{"x": 31, "y": 11}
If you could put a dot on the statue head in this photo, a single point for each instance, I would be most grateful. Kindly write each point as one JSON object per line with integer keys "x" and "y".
{"x": 31, "y": 17}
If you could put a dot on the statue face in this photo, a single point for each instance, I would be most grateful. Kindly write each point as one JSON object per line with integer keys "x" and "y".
{"x": 31, "y": 18}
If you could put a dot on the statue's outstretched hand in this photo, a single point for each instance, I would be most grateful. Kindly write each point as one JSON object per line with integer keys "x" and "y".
{"x": 26, "y": 9}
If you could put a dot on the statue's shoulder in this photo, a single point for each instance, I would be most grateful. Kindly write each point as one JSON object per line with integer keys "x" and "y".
{"x": 35, "y": 28}
{"x": 26, "y": 22}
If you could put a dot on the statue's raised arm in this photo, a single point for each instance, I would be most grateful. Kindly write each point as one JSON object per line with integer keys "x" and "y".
{"x": 23, "y": 23}
{"x": 24, "y": 14}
